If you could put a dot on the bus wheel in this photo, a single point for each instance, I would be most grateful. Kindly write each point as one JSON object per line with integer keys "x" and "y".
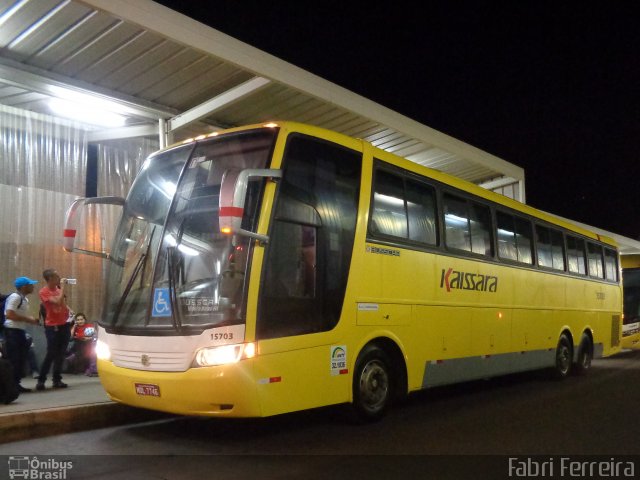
{"x": 564, "y": 357}
{"x": 585, "y": 355}
{"x": 372, "y": 384}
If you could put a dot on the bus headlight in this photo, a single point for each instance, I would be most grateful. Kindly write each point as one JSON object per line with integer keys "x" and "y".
{"x": 224, "y": 354}
{"x": 102, "y": 350}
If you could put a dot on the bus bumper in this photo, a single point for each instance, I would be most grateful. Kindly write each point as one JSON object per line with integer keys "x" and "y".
{"x": 225, "y": 391}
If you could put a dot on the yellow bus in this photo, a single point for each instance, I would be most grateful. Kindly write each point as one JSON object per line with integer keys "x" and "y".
{"x": 631, "y": 295}
{"x": 280, "y": 267}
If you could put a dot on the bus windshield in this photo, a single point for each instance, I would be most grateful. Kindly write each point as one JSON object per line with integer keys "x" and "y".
{"x": 171, "y": 269}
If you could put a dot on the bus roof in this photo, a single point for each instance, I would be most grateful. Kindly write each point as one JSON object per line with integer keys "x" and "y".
{"x": 444, "y": 178}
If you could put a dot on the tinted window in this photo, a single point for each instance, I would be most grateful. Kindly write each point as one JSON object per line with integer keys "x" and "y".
{"x": 311, "y": 239}
{"x": 389, "y": 213}
{"x": 550, "y": 248}
{"x": 514, "y": 238}
{"x": 421, "y": 208}
{"x": 575, "y": 255}
{"x": 596, "y": 262}
{"x": 293, "y": 274}
{"x": 480, "y": 223}
{"x": 456, "y": 223}
{"x": 467, "y": 225}
{"x": 611, "y": 264}
{"x": 403, "y": 208}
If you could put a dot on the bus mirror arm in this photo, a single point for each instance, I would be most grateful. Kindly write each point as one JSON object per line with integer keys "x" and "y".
{"x": 70, "y": 222}
{"x": 233, "y": 192}
{"x": 262, "y": 239}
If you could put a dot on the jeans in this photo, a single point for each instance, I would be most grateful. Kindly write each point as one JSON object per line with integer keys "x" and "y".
{"x": 16, "y": 345}
{"x": 57, "y": 341}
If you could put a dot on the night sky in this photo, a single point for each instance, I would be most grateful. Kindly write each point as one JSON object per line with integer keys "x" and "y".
{"x": 553, "y": 87}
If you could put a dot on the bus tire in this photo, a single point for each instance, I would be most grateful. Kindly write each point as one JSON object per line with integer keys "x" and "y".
{"x": 564, "y": 357}
{"x": 585, "y": 355}
{"x": 372, "y": 384}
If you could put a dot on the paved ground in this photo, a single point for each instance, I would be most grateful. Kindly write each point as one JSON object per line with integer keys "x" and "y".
{"x": 471, "y": 430}
{"x": 81, "y": 406}
{"x": 82, "y": 390}
{"x": 521, "y": 414}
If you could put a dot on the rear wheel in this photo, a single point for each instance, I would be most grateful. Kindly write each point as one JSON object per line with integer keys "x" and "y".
{"x": 372, "y": 384}
{"x": 564, "y": 357}
{"x": 585, "y": 355}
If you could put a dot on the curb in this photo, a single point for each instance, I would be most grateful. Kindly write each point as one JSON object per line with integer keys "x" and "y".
{"x": 55, "y": 421}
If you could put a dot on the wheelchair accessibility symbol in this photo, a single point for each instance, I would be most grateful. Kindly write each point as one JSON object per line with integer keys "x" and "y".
{"x": 161, "y": 303}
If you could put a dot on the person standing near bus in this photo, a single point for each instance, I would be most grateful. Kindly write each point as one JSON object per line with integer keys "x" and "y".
{"x": 17, "y": 315}
{"x": 56, "y": 327}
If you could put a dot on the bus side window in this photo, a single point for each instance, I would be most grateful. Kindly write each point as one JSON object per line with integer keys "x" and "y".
{"x": 308, "y": 256}
{"x": 389, "y": 216}
{"x": 456, "y": 222}
{"x": 576, "y": 255}
{"x": 421, "y": 209}
{"x": 506, "y": 237}
{"x": 594, "y": 255}
{"x": 293, "y": 274}
{"x": 524, "y": 240}
{"x": 467, "y": 225}
{"x": 514, "y": 238}
{"x": 611, "y": 264}
{"x": 404, "y": 209}
{"x": 557, "y": 250}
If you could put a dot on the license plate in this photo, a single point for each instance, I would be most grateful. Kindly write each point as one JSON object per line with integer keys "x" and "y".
{"x": 148, "y": 389}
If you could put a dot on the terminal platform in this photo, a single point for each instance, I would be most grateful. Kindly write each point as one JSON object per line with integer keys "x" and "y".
{"x": 84, "y": 405}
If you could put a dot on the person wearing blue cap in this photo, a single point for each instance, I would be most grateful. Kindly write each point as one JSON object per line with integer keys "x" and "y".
{"x": 16, "y": 312}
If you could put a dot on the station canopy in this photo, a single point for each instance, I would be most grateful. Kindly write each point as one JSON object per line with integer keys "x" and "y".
{"x": 171, "y": 76}
{"x": 147, "y": 70}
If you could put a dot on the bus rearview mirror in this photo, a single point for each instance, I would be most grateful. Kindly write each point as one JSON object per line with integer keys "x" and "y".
{"x": 71, "y": 218}
{"x": 233, "y": 192}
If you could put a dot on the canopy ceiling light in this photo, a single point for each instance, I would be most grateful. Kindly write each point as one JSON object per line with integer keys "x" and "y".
{"x": 87, "y": 112}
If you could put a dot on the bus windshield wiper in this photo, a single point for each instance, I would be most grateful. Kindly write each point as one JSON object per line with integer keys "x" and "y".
{"x": 142, "y": 261}
{"x": 175, "y": 317}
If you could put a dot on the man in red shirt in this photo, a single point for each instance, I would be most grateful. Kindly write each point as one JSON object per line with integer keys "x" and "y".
{"x": 56, "y": 328}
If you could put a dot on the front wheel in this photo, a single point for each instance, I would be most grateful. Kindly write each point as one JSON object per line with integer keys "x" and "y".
{"x": 372, "y": 384}
{"x": 564, "y": 357}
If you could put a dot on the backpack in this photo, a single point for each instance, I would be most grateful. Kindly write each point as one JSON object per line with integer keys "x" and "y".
{"x": 3, "y": 300}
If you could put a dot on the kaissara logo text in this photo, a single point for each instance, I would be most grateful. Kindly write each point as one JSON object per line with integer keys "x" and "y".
{"x": 453, "y": 279}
